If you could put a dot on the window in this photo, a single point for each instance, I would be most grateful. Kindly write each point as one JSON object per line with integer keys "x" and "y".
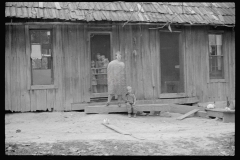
{"x": 216, "y": 66}
{"x": 41, "y": 57}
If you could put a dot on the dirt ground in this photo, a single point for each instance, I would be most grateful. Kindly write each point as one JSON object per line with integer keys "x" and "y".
{"x": 77, "y": 133}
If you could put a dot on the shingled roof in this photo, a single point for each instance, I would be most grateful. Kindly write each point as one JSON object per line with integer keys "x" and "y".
{"x": 193, "y": 13}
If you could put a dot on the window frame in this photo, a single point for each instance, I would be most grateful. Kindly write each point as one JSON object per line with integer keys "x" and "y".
{"x": 182, "y": 54}
{"x": 30, "y": 86}
{"x": 93, "y": 95}
{"x": 223, "y": 80}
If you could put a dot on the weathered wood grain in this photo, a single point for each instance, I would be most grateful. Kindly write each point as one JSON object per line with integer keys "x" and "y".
{"x": 27, "y": 68}
{"x": 57, "y": 48}
{"x": 146, "y": 65}
{"x": 14, "y": 70}
{"x": 187, "y": 114}
{"x": 8, "y": 39}
{"x": 50, "y": 99}
{"x": 33, "y": 96}
{"x": 41, "y": 99}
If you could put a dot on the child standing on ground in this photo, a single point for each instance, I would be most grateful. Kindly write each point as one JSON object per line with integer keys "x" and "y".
{"x": 130, "y": 101}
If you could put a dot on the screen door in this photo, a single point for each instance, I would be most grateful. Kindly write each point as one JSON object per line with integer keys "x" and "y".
{"x": 171, "y": 63}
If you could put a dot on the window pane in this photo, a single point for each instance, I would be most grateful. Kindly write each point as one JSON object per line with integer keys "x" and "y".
{"x": 41, "y": 77}
{"x": 219, "y": 50}
{"x": 41, "y": 57}
{"x": 219, "y": 40}
{"x": 35, "y": 36}
{"x": 213, "y": 50}
{"x": 45, "y": 37}
{"x": 216, "y": 67}
{"x": 212, "y": 39}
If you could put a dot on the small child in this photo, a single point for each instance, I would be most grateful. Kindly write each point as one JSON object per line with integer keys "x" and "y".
{"x": 130, "y": 101}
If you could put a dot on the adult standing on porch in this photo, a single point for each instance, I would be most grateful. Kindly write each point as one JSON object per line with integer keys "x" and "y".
{"x": 116, "y": 79}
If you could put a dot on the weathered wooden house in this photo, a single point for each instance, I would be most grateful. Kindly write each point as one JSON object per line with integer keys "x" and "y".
{"x": 171, "y": 51}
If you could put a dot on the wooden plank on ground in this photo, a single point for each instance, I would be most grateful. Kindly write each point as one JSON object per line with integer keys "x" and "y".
{"x": 175, "y": 108}
{"x": 115, "y": 128}
{"x": 187, "y": 114}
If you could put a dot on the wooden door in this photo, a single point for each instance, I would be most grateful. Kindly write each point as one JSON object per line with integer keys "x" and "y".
{"x": 171, "y": 65}
{"x": 100, "y": 50}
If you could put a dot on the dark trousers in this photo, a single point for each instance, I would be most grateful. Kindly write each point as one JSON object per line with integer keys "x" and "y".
{"x": 131, "y": 108}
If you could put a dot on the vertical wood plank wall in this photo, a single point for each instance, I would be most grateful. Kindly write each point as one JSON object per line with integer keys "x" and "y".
{"x": 140, "y": 52}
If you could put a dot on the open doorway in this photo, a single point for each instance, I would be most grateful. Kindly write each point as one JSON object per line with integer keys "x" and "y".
{"x": 100, "y": 48}
{"x": 171, "y": 63}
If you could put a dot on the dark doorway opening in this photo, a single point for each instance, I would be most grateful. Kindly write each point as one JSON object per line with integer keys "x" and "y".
{"x": 100, "y": 48}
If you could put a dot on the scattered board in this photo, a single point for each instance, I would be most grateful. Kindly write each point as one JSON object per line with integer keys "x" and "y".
{"x": 119, "y": 130}
{"x": 188, "y": 114}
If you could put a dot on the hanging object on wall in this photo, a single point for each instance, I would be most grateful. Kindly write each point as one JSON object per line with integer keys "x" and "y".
{"x": 36, "y": 51}
{"x": 169, "y": 27}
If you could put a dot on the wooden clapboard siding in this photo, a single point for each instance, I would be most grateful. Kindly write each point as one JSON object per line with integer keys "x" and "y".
{"x": 8, "y": 67}
{"x": 158, "y": 62}
{"x": 86, "y": 67}
{"x": 50, "y": 99}
{"x": 13, "y": 63}
{"x": 75, "y": 77}
{"x": 66, "y": 73}
{"x": 41, "y": 99}
{"x": 189, "y": 61}
{"x": 22, "y": 69}
{"x": 232, "y": 66}
{"x": 138, "y": 37}
{"x": 147, "y": 67}
{"x": 57, "y": 49}
{"x": 78, "y": 70}
{"x": 72, "y": 65}
{"x": 153, "y": 61}
{"x": 33, "y": 97}
{"x": 128, "y": 55}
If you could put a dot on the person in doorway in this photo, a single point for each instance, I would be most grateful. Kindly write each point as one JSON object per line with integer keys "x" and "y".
{"x": 116, "y": 79}
{"x": 104, "y": 71}
{"x": 94, "y": 80}
{"x": 130, "y": 100}
{"x": 99, "y": 65}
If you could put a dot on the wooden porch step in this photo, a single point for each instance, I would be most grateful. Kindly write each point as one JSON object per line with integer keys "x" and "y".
{"x": 189, "y": 100}
{"x": 227, "y": 115}
{"x": 123, "y": 108}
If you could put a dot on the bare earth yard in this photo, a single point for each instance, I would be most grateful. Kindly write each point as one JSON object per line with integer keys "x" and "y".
{"x": 77, "y": 133}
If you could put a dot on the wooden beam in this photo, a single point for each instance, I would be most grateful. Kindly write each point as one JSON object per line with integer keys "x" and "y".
{"x": 227, "y": 115}
{"x": 115, "y": 108}
{"x": 202, "y": 114}
{"x": 172, "y": 95}
{"x": 183, "y": 108}
{"x": 187, "y": 114}
{"x": 79, "y": 106}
